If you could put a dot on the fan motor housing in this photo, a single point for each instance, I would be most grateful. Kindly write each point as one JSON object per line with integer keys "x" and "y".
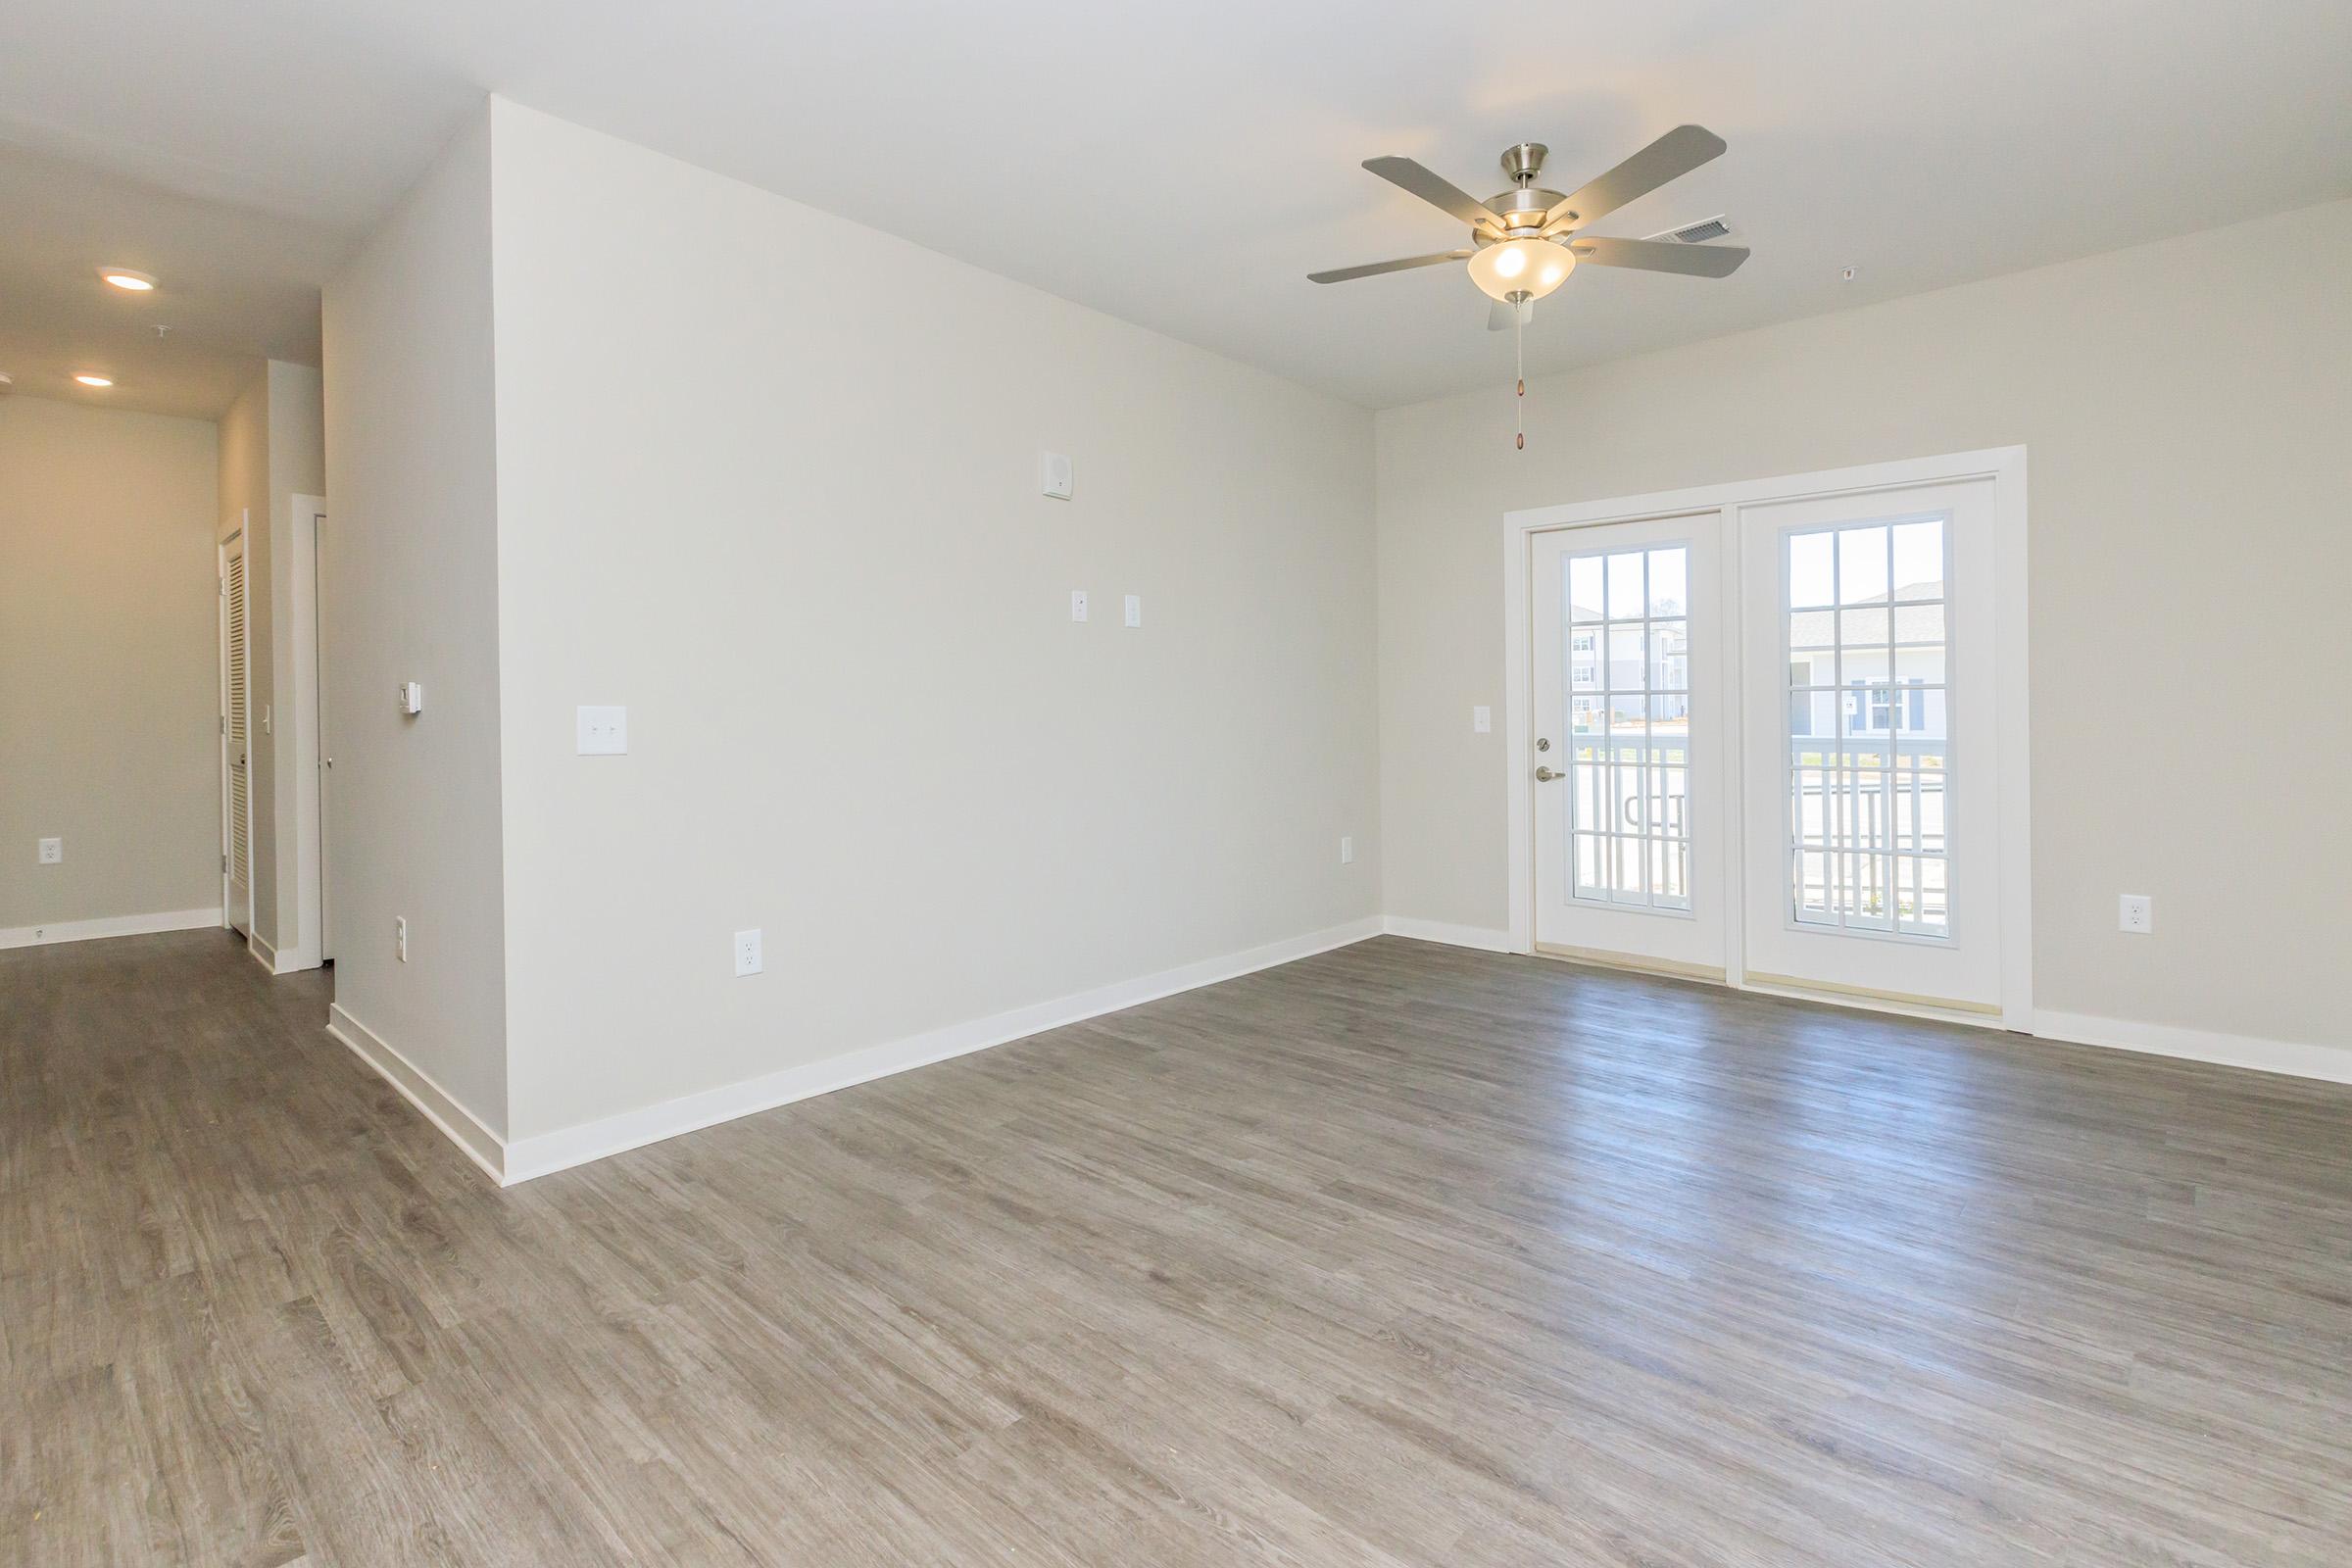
{"x": 1519, "y": 209}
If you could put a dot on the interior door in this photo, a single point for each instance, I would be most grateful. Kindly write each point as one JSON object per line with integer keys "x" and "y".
{"x": 1629, "y": 755}
{"x": 1872, "y": 860}
{"x": 235, "y": 741}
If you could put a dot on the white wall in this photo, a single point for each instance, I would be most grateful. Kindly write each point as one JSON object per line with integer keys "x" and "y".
{"x": 109, "y": 645}
{"x": 410, "y": 590}
{"x": 770, "y": 478}
{"x": 2184, "y": 405}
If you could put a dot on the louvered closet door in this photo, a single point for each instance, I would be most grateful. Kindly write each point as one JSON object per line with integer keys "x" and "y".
{"x": 236, "y": 745}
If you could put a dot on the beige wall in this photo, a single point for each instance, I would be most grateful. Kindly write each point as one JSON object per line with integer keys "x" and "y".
{"x": 411, "y": 585}
{"x": 782, "y": 502}
{"x": 108, "y": 663}
{"x": 2185, "y": 406}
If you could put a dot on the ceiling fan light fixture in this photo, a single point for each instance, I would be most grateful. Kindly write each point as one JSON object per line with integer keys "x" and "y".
{"x": 1512, "y": 270}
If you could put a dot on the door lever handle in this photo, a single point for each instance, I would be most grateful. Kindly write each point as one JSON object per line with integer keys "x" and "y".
{"x": 1544, "y": 775}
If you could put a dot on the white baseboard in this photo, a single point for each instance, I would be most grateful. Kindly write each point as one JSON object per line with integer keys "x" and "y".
{"x": 1453, "y": 936}
{"x": 114, "y": 925}
{"x": 462, "y": 1128}
{"x": 2294, "y": 1058}
{"x": 279, "y": 960}
{"x": 548, "y": 1153}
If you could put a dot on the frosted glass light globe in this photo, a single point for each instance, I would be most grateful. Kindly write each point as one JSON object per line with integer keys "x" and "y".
{"x": 1532, "y": 267}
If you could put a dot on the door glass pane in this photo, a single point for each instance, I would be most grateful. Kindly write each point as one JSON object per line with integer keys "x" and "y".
{"x": 1583, "y": 588}
{"x": 1869, "y": 765}
{"x": 1629, "y": 787}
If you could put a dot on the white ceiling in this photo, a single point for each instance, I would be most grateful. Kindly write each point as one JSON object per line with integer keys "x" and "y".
{"x": 1181, "y": 164}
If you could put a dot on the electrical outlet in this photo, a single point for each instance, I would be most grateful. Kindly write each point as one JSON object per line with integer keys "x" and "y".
{"x": 399, "y": 936}
{"x": 2135, "y": 913}
{"x": 52, "y": 850}
{"x": 1135, "y": 610}
{"x": 1482, "y": 720}
{"x": 1077, "y": 604}
{"x": 747, "y": 953}
{"x": 1347, "y": 852}
{"x": 601, "y": 731}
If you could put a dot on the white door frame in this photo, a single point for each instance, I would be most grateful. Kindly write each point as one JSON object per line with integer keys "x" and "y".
{"x": 2006, "y": 466}
{"x": 229, "y": 909}
{"x": 302, "y": 711}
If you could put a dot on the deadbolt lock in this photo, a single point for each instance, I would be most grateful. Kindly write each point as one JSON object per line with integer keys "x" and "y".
{"x": 1543, "y": 745}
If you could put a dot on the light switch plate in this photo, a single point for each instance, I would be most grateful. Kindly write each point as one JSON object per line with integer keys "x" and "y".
{"x": 1077, "y": 604}
{"x": 1135, "y": 610}
{"x": 1482, "y": 720}
{"x": 604, "y": 731}
{"x": 53, "y": 851}
{"x": 1053, "y": 474}
{"x": 747, "y": 953}
{"x": 1347, "y": 851}
{"x": 411, "y": 697}
{"x": 2135, "y": 913}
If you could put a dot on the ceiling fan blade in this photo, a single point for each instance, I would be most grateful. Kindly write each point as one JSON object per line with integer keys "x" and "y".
{"x": 1434, "y": 189}
{"x": 1500, "y": 313}
{"x": 1375, "y": 268}
{"x": 1660, "y": 255}
{"x": 1670, "y": 157}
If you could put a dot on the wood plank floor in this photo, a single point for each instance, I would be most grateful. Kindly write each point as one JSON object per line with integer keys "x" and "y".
{"x": 1399, "y": 1255}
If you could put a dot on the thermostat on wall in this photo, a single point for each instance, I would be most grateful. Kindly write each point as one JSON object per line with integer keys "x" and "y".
{"x": 412, "y": 698}
{"x": 1053, "y": 474}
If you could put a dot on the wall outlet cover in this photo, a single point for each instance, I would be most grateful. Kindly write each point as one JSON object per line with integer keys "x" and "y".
{"x": 747, "y": 953}
{"x": 1135, "y": 610}
{"x": 52, "y": 850}
{"x": 1078, "y": 604}
{"x": 2135, "y": 913}
{"x": 604, "y": 731}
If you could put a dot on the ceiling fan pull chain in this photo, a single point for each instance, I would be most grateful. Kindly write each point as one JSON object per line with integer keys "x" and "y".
{"x": 1519, "y": 341}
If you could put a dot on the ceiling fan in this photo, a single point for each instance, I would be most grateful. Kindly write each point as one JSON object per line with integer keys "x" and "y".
{"x": 1525, "y": 242}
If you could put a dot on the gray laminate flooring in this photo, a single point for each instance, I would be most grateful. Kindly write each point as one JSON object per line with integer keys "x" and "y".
{"x": 1399, "y": 1255}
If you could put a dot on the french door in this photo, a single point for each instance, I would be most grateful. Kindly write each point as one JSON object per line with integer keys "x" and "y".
{"x": 1764, "y": 728}
{"x": 1630, "y": 759}
{"x": 1870, "y": 693}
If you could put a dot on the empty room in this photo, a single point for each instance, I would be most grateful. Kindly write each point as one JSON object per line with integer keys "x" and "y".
{"x": 1215, "y": 784}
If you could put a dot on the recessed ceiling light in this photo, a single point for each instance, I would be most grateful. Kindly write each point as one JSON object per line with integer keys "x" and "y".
{"x": 95, "y": 381}
{"x": 124, "y": 278}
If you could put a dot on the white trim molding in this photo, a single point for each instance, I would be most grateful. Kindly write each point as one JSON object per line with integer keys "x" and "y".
{"x": 2006, "y": 466}
{"x": 279, "y": 960}
{"x": 441, "y": 1107}
{"x": 548, "y": 1153}
{"x": 508, "y": 1161}
{"x": 2292, "y": 1058}
{"x": 1486, "y": 939}
{"x": 113, "y": 925}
